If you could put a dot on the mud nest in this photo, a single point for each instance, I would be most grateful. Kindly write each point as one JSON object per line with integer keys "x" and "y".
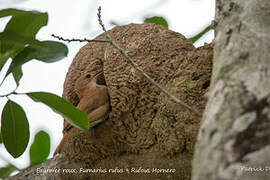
{"x": 144, "y": 129}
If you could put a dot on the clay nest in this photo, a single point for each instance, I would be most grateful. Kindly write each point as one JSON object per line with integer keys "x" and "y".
{"x": 144, "y": 127}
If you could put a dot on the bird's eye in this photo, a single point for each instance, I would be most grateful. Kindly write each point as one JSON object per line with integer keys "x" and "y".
{"x": 88, "y": 76}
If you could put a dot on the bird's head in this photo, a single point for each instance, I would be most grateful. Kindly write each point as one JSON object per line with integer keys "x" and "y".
{"x": 89, "y": 79}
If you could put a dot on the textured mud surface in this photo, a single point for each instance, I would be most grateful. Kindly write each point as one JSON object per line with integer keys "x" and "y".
{"x": 144, "y": 129}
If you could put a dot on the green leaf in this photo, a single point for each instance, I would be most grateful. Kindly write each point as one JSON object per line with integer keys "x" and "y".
{"x": 1, "y": 140}
{"x": 45, "y": 51}
{"x": 49, "y": 51}
{"x": 12, "y": 12}
{"x": 17, "y": 74}
{"x": 23, "y": 24}
{"x": 18, "y": 40}
{"x": 157, "y": 20}
{"x": 7, "y": 170}
{"x": 200, "y": 34}
{"x": 14, "y": 128}
{"x": 71, "y": 114}
{"x": 40, "y": 149}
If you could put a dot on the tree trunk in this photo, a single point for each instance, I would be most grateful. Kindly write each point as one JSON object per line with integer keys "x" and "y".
{"x": 234, "y": 138}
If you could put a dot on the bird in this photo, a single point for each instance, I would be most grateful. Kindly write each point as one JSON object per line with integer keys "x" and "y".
{"x": 94, "y": 100}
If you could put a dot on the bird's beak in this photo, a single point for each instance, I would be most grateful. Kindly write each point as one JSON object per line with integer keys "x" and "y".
{"x": 100, "y": 79}
{"x": 98, "y": 73}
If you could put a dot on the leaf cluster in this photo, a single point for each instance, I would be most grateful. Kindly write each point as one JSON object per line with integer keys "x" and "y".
{"x": 18, "y": 42}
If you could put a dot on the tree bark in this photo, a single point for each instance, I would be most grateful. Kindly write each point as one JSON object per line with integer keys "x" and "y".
{"x": 234, "y": 138}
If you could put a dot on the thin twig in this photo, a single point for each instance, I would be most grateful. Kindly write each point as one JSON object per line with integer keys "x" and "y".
{"x": 8, "y": 94}
{"x": 80, "y": 40}
{"x": 171, "y": 97}
{"x": 128, "y": 59}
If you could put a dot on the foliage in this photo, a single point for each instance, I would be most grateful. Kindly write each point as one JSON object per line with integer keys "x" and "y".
{"x": 200, "y": 34}
{"x": 157, "y": 20}
{"x": 7, "y": 170}
{"x": 39, "y": 152}
{"x": 18, "y": 43}
{"x": 40, "y": 149}
{"x": 14, "y": 128}
{"x": 61, "y": 106}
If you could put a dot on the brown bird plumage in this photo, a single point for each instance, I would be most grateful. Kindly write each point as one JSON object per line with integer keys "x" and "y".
{"x": 94, "y": 101}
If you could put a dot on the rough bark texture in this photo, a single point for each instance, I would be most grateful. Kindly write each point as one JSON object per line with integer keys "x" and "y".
{"x": 234, "y": 138}
{"x": 144, "y": 129}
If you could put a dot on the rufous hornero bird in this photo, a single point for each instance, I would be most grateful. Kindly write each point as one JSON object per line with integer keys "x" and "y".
{"x": 93, "y": 100}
